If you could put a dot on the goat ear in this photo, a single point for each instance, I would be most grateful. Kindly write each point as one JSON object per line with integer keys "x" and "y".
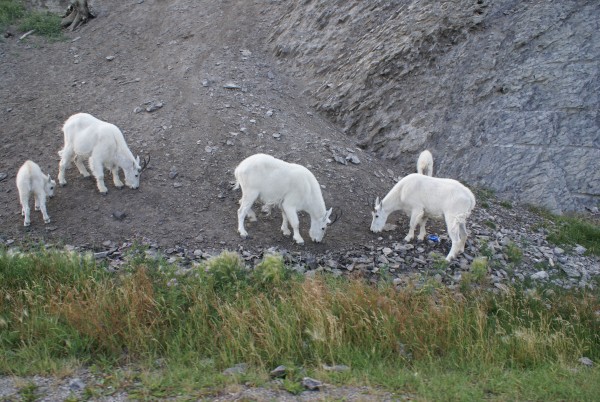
{"x": 137, "y": 160}
{"x": 377, "y": 202}
{"x": 328, "y": 213}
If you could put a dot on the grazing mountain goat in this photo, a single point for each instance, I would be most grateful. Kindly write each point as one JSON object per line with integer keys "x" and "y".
{"x": 31, "y": 180}
{"x": 422, "y": 197}
{"x": 425, "y": 163}
{"x": 290, "y": 186}
{"x": 87, "y": 137}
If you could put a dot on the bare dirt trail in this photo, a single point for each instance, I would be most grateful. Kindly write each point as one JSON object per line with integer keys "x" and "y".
{"x": 183, "y": 55}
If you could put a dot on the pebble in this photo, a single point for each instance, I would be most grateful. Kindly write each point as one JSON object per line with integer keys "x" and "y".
{"x": 119, "y": 215}
{"x": 586, "y": 361}
{"x": 3, "y": 176}
{"x": 231, "y": 85}
{"x": 154, "y": 106}
{"x": 353, "y": 158}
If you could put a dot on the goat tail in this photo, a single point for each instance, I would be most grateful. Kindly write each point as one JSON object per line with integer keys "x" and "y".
{"x": 459, "y": 226}
{"x": 237, "y": 185}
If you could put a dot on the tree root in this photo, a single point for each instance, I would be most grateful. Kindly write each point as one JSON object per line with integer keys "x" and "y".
{"x": 77, "y": 13}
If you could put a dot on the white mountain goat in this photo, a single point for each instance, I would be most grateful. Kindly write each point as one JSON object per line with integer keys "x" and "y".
{"x": 422, "y": 197}
{"x": 425, "y": 163}
{"x": 290, "y": 186}
{"x": 87, "y": 137}
{"x": 31, "y": 180}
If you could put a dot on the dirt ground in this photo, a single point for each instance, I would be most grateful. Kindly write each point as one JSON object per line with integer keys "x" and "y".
{"x": 224, "y": 97}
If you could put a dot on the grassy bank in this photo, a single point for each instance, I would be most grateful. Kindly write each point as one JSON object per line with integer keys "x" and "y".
{"x": 180, "y": 331}
{"x": 14, "y": 13}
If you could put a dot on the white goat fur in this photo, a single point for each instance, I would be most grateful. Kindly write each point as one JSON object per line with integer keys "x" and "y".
{"x": 31, "y": 180}
{"x": 425, "y": 163}
{"x": 422, "y": 197}
{"x": 290, "y": 186}
{"x": 87, "y": 137}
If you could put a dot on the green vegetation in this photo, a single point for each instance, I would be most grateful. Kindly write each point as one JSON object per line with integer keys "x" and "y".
{"x": 569, "y": 230}
{"x": 10, "y": 10}
{"x": 14, "y": 12}
{"x": 158, "y": 332}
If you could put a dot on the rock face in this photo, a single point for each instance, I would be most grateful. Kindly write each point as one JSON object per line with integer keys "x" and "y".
{"x": 505, "y": 94}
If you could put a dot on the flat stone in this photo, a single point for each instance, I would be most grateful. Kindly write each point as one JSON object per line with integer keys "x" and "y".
{"x": 311, "y": 384}
{"x": 278, "y": 372}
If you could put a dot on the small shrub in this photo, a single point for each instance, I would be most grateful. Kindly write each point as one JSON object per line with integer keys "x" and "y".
{"x": 44, "y": 24}
{"x": 10, "y": 11}
{"x": 439, "y": 262}
{"x": 490, "y": 224}
{"x": 506, "y": 204}
{"x": 476, "y": 275}
{"x": 270, "y": 272}
{"x": 227, "y": 272}
{"x": 514, "y": 253}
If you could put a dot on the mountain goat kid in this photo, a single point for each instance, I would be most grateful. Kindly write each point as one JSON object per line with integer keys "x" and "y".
{"x": 87, "y": 137}
{"x": 425, "y": 163}
{"x": 422, "y": 197}
{"x": 31, "y": 180}
{"x": 290, "y": 186}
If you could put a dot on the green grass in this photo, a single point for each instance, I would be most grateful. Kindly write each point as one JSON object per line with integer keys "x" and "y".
{"x": 569, "y": 230}
{"x": 158, "y": 332}
{"x": 13, "y": 12}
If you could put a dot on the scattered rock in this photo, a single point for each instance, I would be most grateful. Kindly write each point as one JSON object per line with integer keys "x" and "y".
{"x": 154, "y": 106}
{"x": 586, "y": 361}
{"x": 339, "y": 368}
{"x": 110, "y": 58}
{"x": 540, "y": 275}
{"x": 278, "y": 372}
{"x": 231, "y": 85}
{"x": 340, "y": 160}
{"x": 238, "y": 369}
{"x": 76, "y": 384}
{"x": 119, "y": 215}
{"x": 353, "y": 158}
{"x": 311, "y": 384}
{"x": 3, "y": 176}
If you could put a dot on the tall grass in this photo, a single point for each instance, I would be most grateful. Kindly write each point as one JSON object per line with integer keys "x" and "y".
{"x": 58, "y": 310}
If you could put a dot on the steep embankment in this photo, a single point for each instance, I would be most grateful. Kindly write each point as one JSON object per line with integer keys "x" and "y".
{"x": 504, "y": 93}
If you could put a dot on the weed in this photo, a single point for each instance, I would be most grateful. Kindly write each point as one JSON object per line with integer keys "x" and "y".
{"x": 490, "y": 224}
{"x": 439, "y": 262}
{"x": 293, "y": 387}
{"x": 506, "y": 204}
{"x": 513, "y": 253}
{"x": 44, "y": 24}
{"x": 10, "y": 11}
{"x": 29, "y": 392}
{"x": 569, "y": 230}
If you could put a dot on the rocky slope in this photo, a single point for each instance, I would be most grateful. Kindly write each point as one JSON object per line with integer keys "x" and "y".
{"x": 504, "y": 93}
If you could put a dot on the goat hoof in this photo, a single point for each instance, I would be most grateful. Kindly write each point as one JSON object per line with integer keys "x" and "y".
{"x": 46, "y": 221}
{"x": 104, "y": 192}
{"x": 63, "y": 184}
